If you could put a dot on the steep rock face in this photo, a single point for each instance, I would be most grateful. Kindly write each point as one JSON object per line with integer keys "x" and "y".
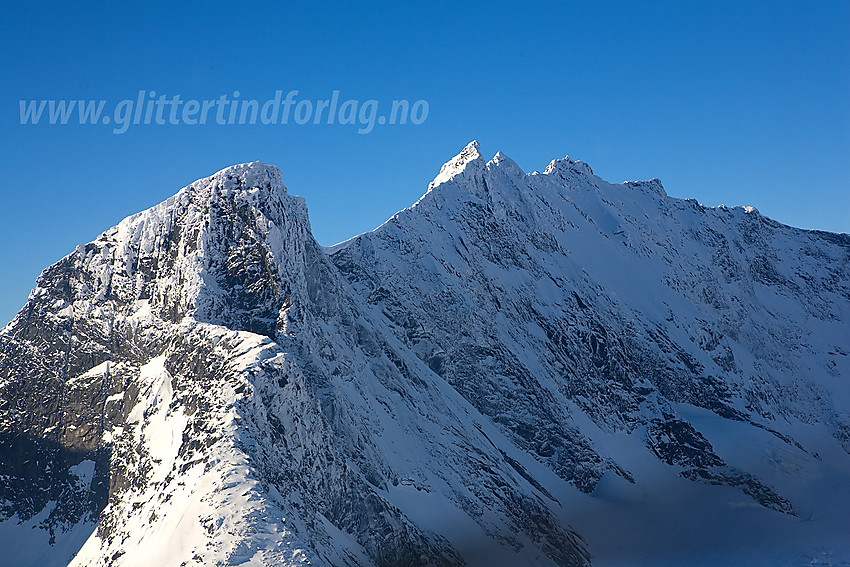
{"x": 71, "y": 368}
{"x": 535, "y": 294}
{"x": 551, "y": 299}
{"x": 512, "y": 356}
{"x": 248, "y": 408}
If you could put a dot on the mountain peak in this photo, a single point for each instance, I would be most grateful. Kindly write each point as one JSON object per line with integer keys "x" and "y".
{"x": 567, "y": 164}
{"x": 501, "y": 160}
{"x": 241, "y": 177}
{"x": 249, "y": 173}
{"x": 552, "y": 349}
{"x": 469, "y": 156}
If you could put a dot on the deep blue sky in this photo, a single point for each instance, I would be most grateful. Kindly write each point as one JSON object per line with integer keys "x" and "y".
{"x": 727, "y": 102}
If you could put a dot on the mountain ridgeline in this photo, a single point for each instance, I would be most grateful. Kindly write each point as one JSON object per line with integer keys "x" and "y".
{"x": 538, "y": 369}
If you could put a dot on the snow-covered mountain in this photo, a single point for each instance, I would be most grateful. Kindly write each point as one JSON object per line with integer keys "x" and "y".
{"x": 520, "y": 369}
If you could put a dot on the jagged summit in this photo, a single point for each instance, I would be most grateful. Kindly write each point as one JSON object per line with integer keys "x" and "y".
{"x": 255, "y": 174}
{"x": 468, "y": 158}
{"x": 253, "y": 182}
{"x": 503, "y": 161}
{"x": 566, "y": 164}
{"x": 469, "y": 161}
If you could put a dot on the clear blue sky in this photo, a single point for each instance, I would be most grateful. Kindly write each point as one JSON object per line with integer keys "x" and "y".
{"x": 726, "y": 102}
